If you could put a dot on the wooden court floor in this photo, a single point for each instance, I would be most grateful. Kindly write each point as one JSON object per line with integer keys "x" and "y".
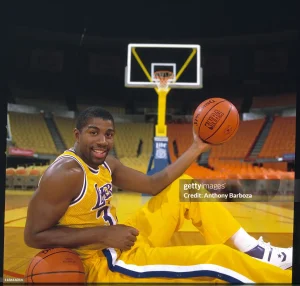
{"x": 272, "y": 221}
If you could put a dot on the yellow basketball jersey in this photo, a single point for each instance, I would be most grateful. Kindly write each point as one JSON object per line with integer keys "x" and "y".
{"x": 93, "y": 206}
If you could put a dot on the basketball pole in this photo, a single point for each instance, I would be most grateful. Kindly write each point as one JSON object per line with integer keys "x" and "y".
{"x": 161, "y": 127}
{"x": 160, "y": 153}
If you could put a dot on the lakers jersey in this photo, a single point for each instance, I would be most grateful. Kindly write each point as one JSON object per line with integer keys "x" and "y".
{"x": 92, "y": 207}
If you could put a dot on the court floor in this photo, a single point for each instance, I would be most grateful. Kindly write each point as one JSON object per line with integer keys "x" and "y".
{"x": 272, "y": 221}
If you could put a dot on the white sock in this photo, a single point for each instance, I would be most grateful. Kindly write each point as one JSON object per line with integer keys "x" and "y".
{"x": 243, "y": 241}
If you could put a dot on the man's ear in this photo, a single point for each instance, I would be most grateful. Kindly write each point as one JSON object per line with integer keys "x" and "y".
{"x": 76, "y": 134}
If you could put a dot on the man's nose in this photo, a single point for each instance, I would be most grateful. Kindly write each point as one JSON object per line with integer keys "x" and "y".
{"x": 102, "y": 140}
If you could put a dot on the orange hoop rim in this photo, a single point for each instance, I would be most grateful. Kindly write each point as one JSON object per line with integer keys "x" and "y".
{"x": 163, "y": 75}
{"x": 162, "y": 78}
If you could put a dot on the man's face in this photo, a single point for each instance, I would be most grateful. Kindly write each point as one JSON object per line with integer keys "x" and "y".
{"x": 95, "y": 141}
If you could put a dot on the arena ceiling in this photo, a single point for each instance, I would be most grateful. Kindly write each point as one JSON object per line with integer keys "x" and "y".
{"x": 109, "y": 23}
{"x": 160, "y": 20}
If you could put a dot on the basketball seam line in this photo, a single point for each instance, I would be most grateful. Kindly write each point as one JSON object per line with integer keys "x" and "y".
{"x": 46, "y": 257}
{"x": 220, "y": 124}
{"x": 31, "y": 270}
{"x": 207, "y": 112}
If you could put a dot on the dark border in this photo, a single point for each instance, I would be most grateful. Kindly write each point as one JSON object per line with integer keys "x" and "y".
{"x": 3, "y": 115}
{"x": 296, "y": 234}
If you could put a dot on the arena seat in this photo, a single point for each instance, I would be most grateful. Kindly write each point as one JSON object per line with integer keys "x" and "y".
{"x": 20, "y": 177}
{"x": 10, "y": 173}
{"x": 281, "y": 138}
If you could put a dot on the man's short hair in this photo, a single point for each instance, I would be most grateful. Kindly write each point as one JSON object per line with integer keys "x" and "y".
{"x": 92, "y": 112}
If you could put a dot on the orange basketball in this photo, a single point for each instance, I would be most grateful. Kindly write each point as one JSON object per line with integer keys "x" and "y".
{"x": 216, "y": 120}
{"x": 55, "y": 265}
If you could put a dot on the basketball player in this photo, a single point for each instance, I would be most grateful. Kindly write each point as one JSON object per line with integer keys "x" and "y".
{"x": 72, "y": 208}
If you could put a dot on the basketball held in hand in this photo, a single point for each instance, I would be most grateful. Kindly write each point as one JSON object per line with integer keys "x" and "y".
{"x": 55, "y": 265}
{"x": 216, "y": 120}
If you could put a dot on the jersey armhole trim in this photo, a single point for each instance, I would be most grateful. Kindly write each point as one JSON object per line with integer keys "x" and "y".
{"x": 84, "y": 185}
{"x": 107, "y": 167}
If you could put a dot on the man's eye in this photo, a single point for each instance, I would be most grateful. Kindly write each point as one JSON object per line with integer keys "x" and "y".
{"x": 109, "y": 135}
{"x": 94, "y": 132}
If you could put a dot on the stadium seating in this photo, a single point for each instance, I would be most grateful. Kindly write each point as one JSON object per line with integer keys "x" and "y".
{"x": 240, "y": 145}
{"x": 182, "y": 133}
{"x": 29, "y": 131}
{"x": 65, "y": 128}
{"x": 24, "y": 178}
{"x": 126, "y": 143}
{"x": 235, "y": 169}
{"x": 281, "y": 139}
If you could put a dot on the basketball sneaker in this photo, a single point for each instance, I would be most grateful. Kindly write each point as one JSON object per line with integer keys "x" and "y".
{"x": 281, "y": 257}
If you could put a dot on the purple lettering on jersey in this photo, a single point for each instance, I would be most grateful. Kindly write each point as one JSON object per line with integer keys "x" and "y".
{"x": 106, "y": 215}
{"x": 103, "y": 193}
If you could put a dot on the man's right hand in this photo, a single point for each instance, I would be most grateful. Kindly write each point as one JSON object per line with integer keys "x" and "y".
{"x": 120, "y": 236}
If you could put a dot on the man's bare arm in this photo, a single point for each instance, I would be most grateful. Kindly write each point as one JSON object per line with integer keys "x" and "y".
{"x": 59, "y": 185}
{"x": 132, "y": 180}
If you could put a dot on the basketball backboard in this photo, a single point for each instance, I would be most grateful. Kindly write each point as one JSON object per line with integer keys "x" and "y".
{"x": 144, "y": 60}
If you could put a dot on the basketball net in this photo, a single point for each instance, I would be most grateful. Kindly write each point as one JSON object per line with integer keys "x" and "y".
{"x": 163, "y": 79}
